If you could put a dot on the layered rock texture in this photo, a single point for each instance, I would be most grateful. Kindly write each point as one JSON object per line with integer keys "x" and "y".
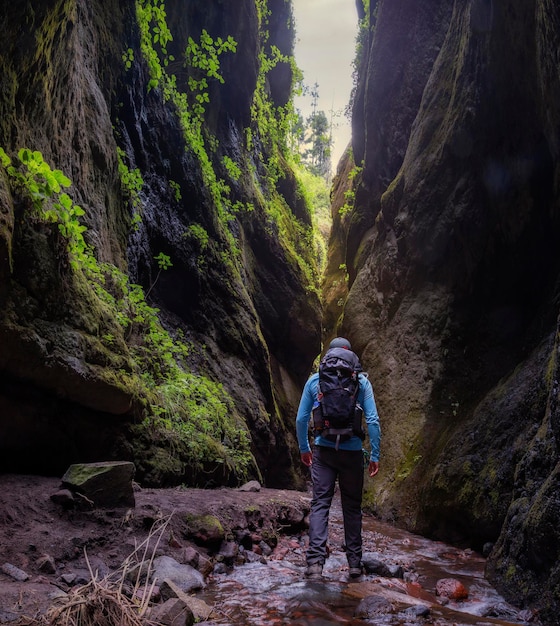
{"x": 167, "y": 120}
{"x": 452, "y": 267}
{"x": 443, "y": 264}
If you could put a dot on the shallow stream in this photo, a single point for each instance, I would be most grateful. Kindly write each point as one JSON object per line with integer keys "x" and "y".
{"x": 277, "y": 593}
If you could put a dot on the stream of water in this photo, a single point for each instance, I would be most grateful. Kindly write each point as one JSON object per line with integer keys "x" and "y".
{"x": 277, "y": 593}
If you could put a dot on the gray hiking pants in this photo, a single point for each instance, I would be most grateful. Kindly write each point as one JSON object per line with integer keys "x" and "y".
{"x": 347, "y": 466}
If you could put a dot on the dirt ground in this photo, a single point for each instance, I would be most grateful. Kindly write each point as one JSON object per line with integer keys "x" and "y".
{"x": 38, "y": 536}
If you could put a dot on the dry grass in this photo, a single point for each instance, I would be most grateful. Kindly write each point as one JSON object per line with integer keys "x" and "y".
{"x": 110, "y": 601}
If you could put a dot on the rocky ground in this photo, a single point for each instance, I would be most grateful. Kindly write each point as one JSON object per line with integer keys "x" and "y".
{"x": 55, "y": 547}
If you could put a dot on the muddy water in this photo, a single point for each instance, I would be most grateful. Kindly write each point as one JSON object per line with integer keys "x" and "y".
{"x": 277, "y": 593}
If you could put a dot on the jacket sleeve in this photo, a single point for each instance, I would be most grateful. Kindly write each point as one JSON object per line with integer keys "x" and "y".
{"x": 308, "y": 397}
{"x": 372, "y": 417}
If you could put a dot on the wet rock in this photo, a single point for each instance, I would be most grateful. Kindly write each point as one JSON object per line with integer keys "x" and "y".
{"x": 191, "y": 557}
{"x": 253, "y": 557}
{"x": 501, "y": 610}
{"x": 486, "y": 549}
{"x": 102, "y": 484}
{"x": 451, "y": 588}
{"x": 419, "y": 610}
{"x": 199, "y": 608}
{"x": 374, "y": 565}
{"x": 266, "y": 550}
{"x": 184, "y": 576}
{"x": 221, "y": 568}
{"x": 14, "y": 572}
{"x": 228, "y": 551}
{"x": 372, "y": 606}
{"x": 173, "y": 612}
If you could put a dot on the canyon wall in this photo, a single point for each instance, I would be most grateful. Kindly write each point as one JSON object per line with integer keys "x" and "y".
{"x": 168, "y": 125}
{"x": 451, "y": 267}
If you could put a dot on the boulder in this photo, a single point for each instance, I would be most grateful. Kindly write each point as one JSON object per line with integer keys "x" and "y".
{"x": 185, "y": 577}
{"x": 452, "y": 589}
{"x": 105, "y": 484}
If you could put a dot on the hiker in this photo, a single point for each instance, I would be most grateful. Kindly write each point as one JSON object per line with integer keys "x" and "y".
{"x": 337, "y": 451}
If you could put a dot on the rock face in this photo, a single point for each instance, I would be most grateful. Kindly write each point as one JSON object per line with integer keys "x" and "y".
{"x": 453, "y": 276}
{"x": 97, "y": 91}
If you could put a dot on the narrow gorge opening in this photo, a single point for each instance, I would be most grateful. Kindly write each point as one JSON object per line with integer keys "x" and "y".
{"x": 164, "y": 293}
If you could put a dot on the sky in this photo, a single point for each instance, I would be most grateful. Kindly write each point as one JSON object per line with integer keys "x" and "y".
{"x": 324, "y": 50}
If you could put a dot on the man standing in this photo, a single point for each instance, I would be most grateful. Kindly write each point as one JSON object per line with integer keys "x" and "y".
{"x": 332, "y": 458}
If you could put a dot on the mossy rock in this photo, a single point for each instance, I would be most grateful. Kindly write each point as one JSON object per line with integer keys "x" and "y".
{"x": 205, "y": 530}
{"x": 106, "y": 484}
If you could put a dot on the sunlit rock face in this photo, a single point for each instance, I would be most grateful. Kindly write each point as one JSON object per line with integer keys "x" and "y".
{"x": 66, "y": 393}
{"x": 451, "y": 252}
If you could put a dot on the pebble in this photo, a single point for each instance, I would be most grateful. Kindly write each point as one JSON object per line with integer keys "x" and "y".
{"x": 14, "y": 572}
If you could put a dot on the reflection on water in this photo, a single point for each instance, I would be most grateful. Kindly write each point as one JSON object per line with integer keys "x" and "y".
{"x": 277, "y": 593}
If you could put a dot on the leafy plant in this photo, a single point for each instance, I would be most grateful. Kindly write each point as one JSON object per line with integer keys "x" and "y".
{"x": 128, "y": 58}
{"x": 164, "y": 263}
{"x": 176, "y": 190}
{"x": 350, "y": 193}
{"x": 131, "y": 180}
{"x": 43, "y": 186}
{"x": 232, "y": 168}
{"x": 158, "y": 359}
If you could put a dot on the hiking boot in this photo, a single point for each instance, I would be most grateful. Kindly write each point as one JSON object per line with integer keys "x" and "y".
{"x": 355, "y": 572}
{"x": 314, "y": 571}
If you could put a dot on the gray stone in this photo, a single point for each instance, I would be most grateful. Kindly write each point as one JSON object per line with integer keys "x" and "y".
{"x": 252, "y": 485}
{"x": 173, "y": 612}
{"x": 14, "y": 572}
{"x": 372, "y": 606}
{"x": 184, "y": 576}
{"x": 200, "y": 609}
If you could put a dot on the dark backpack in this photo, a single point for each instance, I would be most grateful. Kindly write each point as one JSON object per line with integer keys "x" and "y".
{"x": 337, "y": 416}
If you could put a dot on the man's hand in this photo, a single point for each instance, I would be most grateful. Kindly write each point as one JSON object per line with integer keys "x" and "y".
{"x": 307, "y": 458}
{"x": 373, "y": 468}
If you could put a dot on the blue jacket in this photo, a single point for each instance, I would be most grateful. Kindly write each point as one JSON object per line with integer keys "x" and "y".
{"x": 365, "y": 400}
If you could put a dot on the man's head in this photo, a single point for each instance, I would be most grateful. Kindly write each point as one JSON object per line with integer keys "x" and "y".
{"x": 340, "y": 342}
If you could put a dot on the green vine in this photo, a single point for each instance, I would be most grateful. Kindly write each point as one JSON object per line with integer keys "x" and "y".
{"x": 202, "y": 61}
{"x": 350, "y": 193}
{"x": 131, "y": 180}
{"x": 204, "y": 418}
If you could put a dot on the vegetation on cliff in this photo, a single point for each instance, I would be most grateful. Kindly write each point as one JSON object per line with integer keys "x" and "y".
{"x": 226, "y": 183}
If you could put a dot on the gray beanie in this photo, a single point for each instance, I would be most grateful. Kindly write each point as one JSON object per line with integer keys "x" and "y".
{"x": 340, "y": 342}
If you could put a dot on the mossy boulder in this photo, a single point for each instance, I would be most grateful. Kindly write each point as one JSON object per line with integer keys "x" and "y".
{"x": 206, "y": 530}
{"x": 102, "y": 484}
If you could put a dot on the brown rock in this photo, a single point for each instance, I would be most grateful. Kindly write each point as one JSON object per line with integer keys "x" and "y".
{"x": 173, "y": 612}
{"x": 452, "y": 589}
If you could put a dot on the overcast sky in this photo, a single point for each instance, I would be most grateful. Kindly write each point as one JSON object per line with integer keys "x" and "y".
{"x": 325, "y": 45}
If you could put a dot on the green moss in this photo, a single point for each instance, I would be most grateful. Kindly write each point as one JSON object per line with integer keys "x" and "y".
{"x": 368, "y": 499}
{"x": 409, "y": 461}
{"x": 206, "y": 527}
